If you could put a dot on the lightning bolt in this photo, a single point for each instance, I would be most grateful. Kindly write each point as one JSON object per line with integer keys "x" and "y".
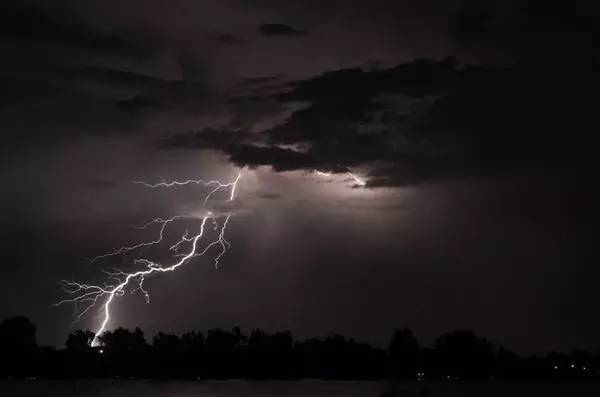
{"x": 359, "y": 181}
{"x": 92, "y": 296}
{"x": 218, "y": 185}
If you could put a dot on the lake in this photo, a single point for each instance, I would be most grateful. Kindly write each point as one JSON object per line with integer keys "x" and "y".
{"x": 307, "y": 388}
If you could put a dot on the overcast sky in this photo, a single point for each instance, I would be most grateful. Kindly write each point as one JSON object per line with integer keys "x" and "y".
{"x": 471, "y": 123}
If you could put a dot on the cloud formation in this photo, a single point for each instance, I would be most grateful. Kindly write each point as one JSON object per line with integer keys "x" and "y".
{"x": 279, "y": 29}
{"x": 426, "y": 121}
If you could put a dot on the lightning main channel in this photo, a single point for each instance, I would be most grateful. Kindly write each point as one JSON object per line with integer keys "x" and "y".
{"x": 91, "y": 296}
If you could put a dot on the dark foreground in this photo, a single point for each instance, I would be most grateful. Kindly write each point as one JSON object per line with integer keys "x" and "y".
{"x": 221, "y": 354}
{"x": 306, "y": 388}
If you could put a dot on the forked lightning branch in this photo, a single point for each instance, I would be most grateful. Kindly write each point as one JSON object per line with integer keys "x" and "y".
{"x": 91, "y": 297}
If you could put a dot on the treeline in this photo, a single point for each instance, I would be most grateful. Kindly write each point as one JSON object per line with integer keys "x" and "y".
{"x": 221, "y": 354}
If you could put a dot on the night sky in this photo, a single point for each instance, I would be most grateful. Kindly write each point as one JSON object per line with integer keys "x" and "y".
{"x": 472, "y": 123}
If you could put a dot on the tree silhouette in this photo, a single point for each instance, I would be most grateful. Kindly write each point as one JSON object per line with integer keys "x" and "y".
{"x": 404, "y": 353}
{"x": 123, "y": 341}
{"x": 223, "y": 350}
{"x": 462, "y": 354}
{"x": 18, "y": 346}
{"x": 193, "y": 342}
{"x": 17, "y": 334}
{"x": 126, "y": 352}
{"x": 79, "y": 341}
{"x": 270, "y": 355}
{"x": 264, "y": 355}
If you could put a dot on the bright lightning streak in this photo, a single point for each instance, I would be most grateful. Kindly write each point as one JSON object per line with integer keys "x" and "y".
{"x": 359, "y": 181}
{"x": 124, "y": 249}
{"x": 218, "y": 185}
{"x": 94, "y": 295}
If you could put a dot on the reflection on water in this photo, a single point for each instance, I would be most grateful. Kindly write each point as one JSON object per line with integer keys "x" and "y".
{"x": 308, "y": 388}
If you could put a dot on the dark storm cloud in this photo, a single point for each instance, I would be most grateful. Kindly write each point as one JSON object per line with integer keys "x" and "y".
{"x": 100, "y": 101}
{"x": 279, "y": 29}
{"x": 342, "y": 126}
{"x": 137, "y": 103}
{"x": 551, "y": 30}
{"x": 148, "y": 91}
{"x": 47, "y": 52}
{"x": 445, "y": 121}
{"x": 35, "y": 22}
{"x": 209, "y": 138}
{"x": 120, "y": 78}
{"x": 259, "y": 81}
{"x": 520, "y": 18}
{"x": 226, "y": 38}
{"x": 19, "y": 88}
{"x": 280, "y": 159}
{"x": 97, "y": 100}
{"x": 64, "y": 56}
{"x": 242, "y": 154}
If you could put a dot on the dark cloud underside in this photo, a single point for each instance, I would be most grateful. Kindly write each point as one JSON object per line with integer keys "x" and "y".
{"x": 279, "y": 29}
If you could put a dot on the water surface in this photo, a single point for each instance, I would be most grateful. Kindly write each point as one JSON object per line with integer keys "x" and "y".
{"x": 307, "y": 388}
